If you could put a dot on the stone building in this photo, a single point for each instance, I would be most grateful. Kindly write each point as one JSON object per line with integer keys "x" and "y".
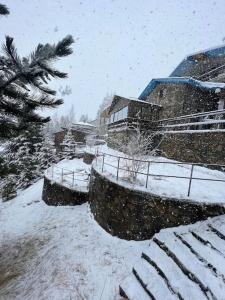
{"x": 189, "y": 102}
{"x": 130, "y": 111}
{"x": 207, "y": 65}
{"x": 184, "y": 95}
{"x": 80, "y": 131}
{"x": 127, "y": 115}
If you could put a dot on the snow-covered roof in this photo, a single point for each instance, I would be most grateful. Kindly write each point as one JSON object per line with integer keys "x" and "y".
{"x": 185, "y": 262}
{"x": 213, "y": 86}
{"x": 118, "y": 98}
{"x": 213, "y": 51}
{"x": 82, "y": 123}
{"x": 191, "y": 60}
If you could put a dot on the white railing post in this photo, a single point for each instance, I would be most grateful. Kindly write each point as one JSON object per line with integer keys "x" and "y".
{"x": 62, "y": 176}
{"x": 146, "y": 184}
{"x": 103, "y": 160}
{"x": 118, "y": 166}
{"x": 52, "y": 172}
{"x": 73, "y": 180}
{"x": 190, "y": 180}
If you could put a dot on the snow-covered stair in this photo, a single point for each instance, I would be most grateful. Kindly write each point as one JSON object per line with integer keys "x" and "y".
{"x": 186, "y": 262}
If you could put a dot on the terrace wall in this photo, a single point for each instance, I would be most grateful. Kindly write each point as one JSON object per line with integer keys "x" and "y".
{"x": 199, "y": 147}
{"x": 131, "y": 214}
{"x": 56, "y": 194}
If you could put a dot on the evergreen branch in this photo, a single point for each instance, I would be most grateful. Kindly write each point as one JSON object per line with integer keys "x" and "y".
{"x": 42, "y": 88}
{"x": 10, "y": 50}
{"x": 4, "y": 11}
{"x": 63, "y": 47}
{"x": 32, "y": 101}
{"x": 47, "y": 102}
{"x": 9, "y": 81}
{"x": 51, "y": 71}
{"x": 47, "y": 52}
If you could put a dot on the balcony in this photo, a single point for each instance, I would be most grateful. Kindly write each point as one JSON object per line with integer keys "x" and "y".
{"x": 131, "y": 124}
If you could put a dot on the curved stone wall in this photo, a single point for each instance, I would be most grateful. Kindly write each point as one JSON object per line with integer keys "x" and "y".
{"x": 56, "y": 194}
{"x": 131, "y": 214}
{"x": 88, "y": 158}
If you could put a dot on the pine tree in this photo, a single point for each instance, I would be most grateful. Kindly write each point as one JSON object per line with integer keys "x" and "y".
{"x": 28, "y": 155}
{"x": 23, "y": 84}
{"x": 47, "y": 154}
{"x": 9, "y": 186}
{"x": 23, "y": 158}
{"x": 68, "y": 145}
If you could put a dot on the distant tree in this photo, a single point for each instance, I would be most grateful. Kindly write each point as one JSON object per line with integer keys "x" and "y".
{"x": 57, "y": 124}
{"x": 47, "y": 154}
{"x": 64, "y": 121}
{"x": 68, "y": 145}
{"x": 107, "y": 100}
{"x": 65, "y": 91}
{"x": 84, "y": 118}
{"x": 72, "y": 116}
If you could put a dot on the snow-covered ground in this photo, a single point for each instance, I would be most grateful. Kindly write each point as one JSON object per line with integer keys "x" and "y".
{"x": 186, "y": 262}
{"x": 59, "y": 252}
{"x": 70, "y": 173}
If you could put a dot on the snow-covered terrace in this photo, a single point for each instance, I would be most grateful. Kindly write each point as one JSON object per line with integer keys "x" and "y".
{"x": 73, "y": 174}
{"x": 164, "y": 177}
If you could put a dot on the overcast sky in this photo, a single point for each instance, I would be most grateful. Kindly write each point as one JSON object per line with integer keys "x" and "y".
{"x": 120, "y": 44}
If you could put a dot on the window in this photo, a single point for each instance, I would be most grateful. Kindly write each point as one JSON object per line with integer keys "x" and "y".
{"x": 161, "y": 93}
{"x": 119, "y": 115}
{"x": 221, "y": 104}
{"x": 112, "y": 118}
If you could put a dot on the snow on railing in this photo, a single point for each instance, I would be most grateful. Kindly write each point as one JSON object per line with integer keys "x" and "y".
{"x": 210, "y": 120}
{"x": 68, "y": 178}
{"x": 130, "y": 169}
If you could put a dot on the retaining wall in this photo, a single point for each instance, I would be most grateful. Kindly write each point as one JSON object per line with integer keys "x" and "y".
{"x": 200, "y": 147}
{"x": 88, "y": 158}
{"x": 131, "y": 214}
{"x": 56, "y": 194}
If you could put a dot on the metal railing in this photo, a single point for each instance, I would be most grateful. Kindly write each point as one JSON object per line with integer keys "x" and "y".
{"x": 199, "y": 121}
{"x": 131, "y": 123}
{"x": 204, "y": 121}
{"x": 67, "y": 177}
{"x": 119, "y": 166}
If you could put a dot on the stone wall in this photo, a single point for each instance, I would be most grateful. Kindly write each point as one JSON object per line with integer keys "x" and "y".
{"x": 203, "y": 147}
{"x": 117, "y": 139}
{"x": 182, "y": 99}
{"x": 136, "y": 215}
{"x": 88, "y": 158}
{"x": 56, "y": 194}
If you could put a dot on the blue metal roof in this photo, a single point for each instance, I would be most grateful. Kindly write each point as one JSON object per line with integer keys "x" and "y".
{"x": 216, "y": 51}
{"x": 189, "y": 61}
{"x": 180, "y": 80}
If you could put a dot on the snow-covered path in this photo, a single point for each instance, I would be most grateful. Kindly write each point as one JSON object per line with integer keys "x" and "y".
{"x": 59, "y": 252}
